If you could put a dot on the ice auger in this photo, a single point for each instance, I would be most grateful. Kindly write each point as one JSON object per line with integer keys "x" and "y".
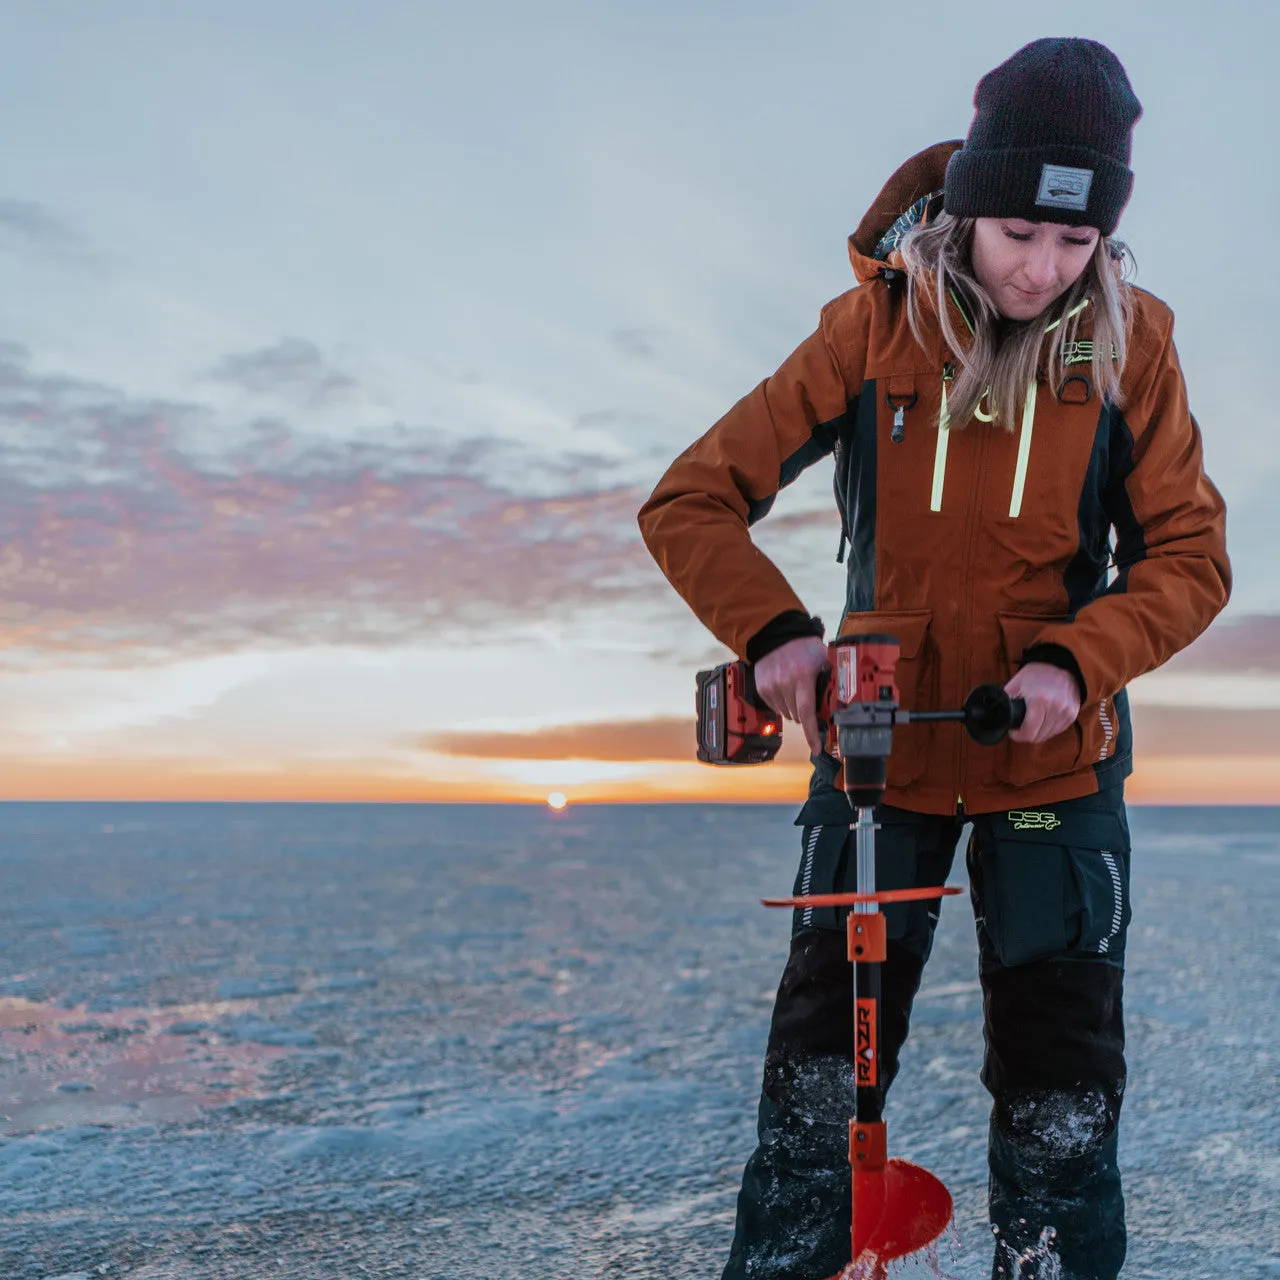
{"x": 898, "y": 1207}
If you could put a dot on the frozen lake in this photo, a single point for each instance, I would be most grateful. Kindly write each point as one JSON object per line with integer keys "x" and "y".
{"x": 472, "y": 1043}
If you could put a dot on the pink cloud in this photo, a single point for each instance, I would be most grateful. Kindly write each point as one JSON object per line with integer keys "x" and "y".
{"x": 668, "y": 738}
{"x": 1205, "y": 732}
{"x": 1250, "y": 643}
{"x": 118, "y": 530}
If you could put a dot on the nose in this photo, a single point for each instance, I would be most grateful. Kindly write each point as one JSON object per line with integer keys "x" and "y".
{"x": 1040, "y": 267}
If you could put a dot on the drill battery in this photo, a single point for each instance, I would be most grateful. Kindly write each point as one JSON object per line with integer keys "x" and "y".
{"x": 734, "y": 724}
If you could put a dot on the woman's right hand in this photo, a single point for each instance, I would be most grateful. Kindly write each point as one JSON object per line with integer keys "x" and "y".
{"x": 787, "y": 679}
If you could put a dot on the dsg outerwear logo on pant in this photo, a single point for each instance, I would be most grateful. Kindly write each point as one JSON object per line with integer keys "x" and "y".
{"x": 1030, "y": 820}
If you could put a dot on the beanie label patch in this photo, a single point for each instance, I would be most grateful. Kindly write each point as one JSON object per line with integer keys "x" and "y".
{"x": 1062, "y": 187}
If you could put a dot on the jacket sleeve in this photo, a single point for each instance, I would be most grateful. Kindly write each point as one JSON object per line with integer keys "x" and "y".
{"x": 1170, "y": 522}
{"x": 696, "y": 522}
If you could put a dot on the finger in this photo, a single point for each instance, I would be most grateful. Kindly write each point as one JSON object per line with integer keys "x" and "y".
{"x": 806, "y": 712}
{"x": 1052, "y": 724}
{"x": 1032, "y": 725}
{"x": 806, "y": 696}
{"x": 769, "y": 696}
{"x": 813, "y": 735}
{"x": 775, "y": 694}
{"x": 787, "y": 701}
{"x": 1059, "y": 723}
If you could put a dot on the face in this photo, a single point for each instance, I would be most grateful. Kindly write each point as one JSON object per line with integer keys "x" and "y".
{"x": 1025, "y": 266}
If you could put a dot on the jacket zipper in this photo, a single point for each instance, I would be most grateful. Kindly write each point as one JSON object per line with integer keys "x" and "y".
{"x": 939, "y": 467}
{"x": 974, "y": 517}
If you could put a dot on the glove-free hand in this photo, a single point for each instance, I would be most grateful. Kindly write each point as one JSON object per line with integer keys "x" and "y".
{"x": 787, "y": 679}
{"x": 1052, "y": 697}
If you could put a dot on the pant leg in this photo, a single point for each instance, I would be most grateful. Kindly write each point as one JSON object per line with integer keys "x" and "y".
{"x": 1051, "y": 896}
{"x": 794, "y": 1205}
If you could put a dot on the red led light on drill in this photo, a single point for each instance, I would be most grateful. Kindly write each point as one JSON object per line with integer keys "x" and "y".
{"x": 769, "y": 730}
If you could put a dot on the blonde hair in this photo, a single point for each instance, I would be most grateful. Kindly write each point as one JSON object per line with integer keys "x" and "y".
{"x": 1001, "y": 358}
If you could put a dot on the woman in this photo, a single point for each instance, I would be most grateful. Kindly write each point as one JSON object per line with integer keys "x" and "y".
{"x": 1020, "y": 483}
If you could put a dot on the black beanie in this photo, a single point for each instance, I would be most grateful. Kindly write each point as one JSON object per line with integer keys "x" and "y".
{"x": 1050, "y": 139}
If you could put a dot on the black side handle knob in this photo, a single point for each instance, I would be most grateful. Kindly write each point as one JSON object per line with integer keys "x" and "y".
{"x": 989, "y": 713}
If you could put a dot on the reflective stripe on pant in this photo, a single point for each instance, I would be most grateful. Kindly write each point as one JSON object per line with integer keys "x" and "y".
{"x": 1051, "y": 926}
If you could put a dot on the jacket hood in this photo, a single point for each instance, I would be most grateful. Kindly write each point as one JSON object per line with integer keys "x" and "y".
{"x": 920, "y": 176}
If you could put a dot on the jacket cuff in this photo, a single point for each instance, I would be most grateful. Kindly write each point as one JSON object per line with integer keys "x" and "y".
{"x": 1056, "y": 655}
{"x": 792, "y": 625}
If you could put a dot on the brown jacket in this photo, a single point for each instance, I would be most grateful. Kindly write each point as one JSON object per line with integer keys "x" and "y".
{"x": 973, "y": 545}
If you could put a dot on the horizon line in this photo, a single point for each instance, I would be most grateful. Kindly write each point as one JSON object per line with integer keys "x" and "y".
{"x": 593, "y": 802}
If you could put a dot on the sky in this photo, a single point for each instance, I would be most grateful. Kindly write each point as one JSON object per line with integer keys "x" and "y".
{"x": 340, "y": 344}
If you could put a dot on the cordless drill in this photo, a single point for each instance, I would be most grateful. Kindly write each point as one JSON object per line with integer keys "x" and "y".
{"x": 857, "y": 709}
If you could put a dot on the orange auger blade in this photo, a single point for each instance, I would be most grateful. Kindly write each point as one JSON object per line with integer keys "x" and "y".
{"x": 897, "y": 1210}
{"x": 853, "y": 899}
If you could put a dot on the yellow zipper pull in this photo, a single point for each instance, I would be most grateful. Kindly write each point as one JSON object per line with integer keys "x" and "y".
{"x": 1024, "y": 452}
{"x": 940, "y": 450}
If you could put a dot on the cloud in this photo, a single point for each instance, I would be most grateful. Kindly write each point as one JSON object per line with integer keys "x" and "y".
{"x": 1249, "y": 643}
{"x": 1205, "y": 731}
{"x": 148, "y": 526}
{"x": 30, "y": 231}
{"x": 662, "y": 738}
{"x": 293, "y": 367}
{"x": 669, "y": 738}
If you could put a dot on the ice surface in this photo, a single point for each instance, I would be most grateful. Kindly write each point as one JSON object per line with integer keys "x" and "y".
{"x": 472, "y": 1043}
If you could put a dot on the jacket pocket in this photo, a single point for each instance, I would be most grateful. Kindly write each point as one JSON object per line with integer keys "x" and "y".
{"x": 916, "y": 677}
{"x": 1022, "y": 764}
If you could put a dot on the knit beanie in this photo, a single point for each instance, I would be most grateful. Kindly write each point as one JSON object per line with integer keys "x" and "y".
{"x": 1050, "y": 139}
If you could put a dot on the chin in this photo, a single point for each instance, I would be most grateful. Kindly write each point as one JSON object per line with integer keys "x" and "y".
{"x": 1020, "y": 308}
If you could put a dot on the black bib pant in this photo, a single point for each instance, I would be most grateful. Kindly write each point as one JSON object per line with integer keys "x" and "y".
{"x": 1050, "y": 893}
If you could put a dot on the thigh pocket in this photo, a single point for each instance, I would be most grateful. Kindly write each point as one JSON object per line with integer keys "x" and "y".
{"x": 822, "y": 870}
{"x": 829, "y": 864}
{"x": 1053, "y": 883}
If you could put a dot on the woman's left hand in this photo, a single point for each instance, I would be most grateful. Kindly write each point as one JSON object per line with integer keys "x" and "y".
{"x": 1052, "y": 697}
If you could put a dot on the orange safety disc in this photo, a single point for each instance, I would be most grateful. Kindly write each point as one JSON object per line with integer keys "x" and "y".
{"x": 853, "y": 899}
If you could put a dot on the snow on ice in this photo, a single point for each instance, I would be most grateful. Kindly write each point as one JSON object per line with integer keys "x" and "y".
{"x": 463, "y": 1042}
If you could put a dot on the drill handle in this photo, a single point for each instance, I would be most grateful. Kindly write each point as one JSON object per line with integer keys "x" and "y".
{"x": 989, "y": 713}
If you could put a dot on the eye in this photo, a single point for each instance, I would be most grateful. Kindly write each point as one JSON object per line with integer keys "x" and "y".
{"x": 1085, "y": 243}
{"x": 1014, "y": 235}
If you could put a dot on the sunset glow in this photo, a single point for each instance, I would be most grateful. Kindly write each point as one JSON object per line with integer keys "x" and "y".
{"x": 1180, "y": 780}
{"x": 368, "y": 532}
